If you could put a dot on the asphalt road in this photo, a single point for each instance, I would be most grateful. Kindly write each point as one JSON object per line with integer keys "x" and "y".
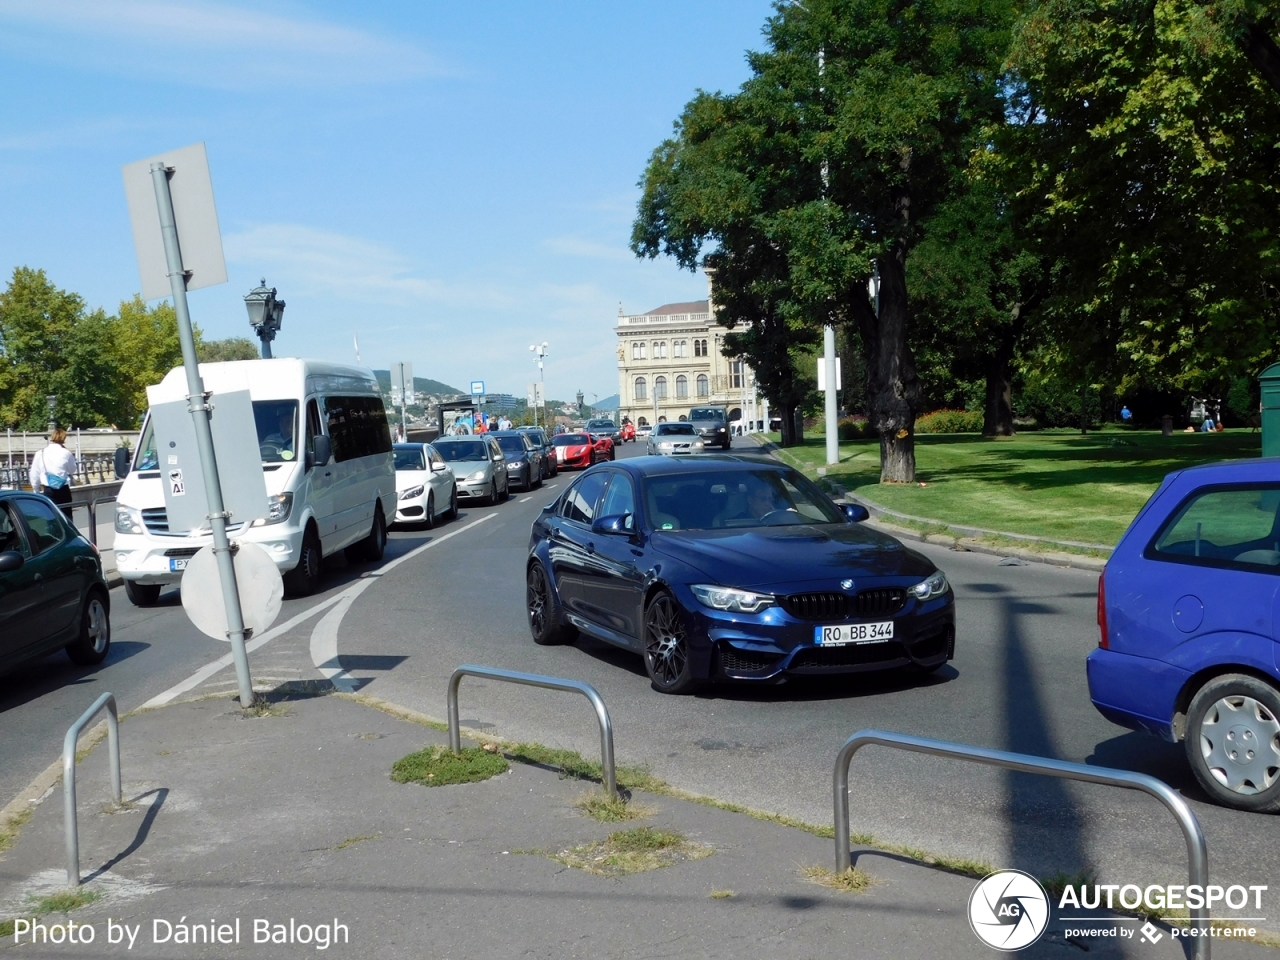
{"x": 1017, "y": 683}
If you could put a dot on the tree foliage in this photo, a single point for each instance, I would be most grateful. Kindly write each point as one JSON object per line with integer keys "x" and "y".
{"x": 233, "y": 348}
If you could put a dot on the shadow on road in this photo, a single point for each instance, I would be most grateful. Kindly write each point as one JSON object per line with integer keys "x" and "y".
{"x": 35, "y": 678}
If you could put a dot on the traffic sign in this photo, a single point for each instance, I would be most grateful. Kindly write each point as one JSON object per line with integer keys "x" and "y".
{"x": 477, "y": 388}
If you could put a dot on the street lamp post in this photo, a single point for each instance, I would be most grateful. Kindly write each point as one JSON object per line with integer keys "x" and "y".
{"x": 540, "y": 351}
{"x": 265, "y": 314}
{"x": 52, "y": 401}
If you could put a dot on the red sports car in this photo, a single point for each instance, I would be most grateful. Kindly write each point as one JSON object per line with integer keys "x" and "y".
{"x": 578, "y": 450}
{"x": 604, "y": 448}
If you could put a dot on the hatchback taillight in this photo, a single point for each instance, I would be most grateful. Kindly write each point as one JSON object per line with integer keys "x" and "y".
{"x": 1103, "y": 640}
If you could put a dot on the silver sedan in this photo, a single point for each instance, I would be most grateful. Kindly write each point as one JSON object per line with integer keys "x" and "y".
{"x": 673, "y": 439}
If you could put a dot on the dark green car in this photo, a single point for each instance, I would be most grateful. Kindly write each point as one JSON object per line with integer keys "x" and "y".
{"x": 52, "y": 591}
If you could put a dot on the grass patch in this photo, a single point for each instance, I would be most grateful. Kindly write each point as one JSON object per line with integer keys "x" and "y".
{"x": 600, "y": 806}
{"x": 1055, "y": 484}
{"x": 633, "y": 851}
{"x": 395, "y": 710}
{"x": 64, "y": 901}
{"x": 6, "y": 929}
{"x": 352, "y": 841}
{"x": 439, "y": 766}
{"x": 262, "y": 709}
{"x": 722, "y": 894}
{"x": 573, "y": 765}
{"x": 1057, "y": 882}
{"x": 10, "y": 828}
{"x": 852, "y": 880}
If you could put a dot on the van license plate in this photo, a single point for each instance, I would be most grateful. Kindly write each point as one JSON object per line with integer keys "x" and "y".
{"x": 853, "y": 633}
{"x": 178, "y": 563}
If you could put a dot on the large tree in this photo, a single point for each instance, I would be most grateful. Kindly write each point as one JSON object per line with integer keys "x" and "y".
{"x": 855, "y": 122}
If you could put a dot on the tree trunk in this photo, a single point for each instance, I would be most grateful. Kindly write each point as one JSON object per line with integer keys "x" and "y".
{"x": 788, "y": 428}
{"x": 893, "y": 389}
{"x": 997, "y": 416}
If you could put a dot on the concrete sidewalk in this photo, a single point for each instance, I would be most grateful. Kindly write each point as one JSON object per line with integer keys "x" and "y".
{"x": 293, "y": 819}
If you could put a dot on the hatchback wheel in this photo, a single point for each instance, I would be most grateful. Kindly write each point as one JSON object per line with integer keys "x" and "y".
{"x": 91, "y": 646}
{"x": 1233, "y": 741}
{"x": 544, "y": 610}
{"x": 666, "y": 646}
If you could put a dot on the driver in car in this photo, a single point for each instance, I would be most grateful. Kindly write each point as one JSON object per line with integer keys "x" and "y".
{"x": 282, "y": 437}
{"x": 763, "y": 499}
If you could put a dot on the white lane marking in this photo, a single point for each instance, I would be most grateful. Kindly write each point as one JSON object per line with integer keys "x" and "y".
{"x": 208, "y": 670}
{"x": 525, "y": 499}
{"x": 324, "y": 638}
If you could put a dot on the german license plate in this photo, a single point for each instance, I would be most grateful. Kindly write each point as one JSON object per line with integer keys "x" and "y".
{"x": 178, "y": 563}
{"x": 853, "y": 633}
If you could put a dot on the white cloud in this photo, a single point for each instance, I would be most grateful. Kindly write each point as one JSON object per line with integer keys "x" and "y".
{"x": 591, "y": 249}
{"x": 211, "y": 44}
{"x": 75, "y": 135}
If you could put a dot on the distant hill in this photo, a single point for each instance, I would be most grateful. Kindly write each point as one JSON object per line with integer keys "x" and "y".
{"x": 608, "y": 403}
{"x": 433, "y": 388}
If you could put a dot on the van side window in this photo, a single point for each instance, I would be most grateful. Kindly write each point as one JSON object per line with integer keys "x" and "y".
{"x": 357, "y": 427}
{"x": 313, "y": 429}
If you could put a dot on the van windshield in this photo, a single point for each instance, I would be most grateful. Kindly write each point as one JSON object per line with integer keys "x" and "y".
{"x": 276, "y": 422}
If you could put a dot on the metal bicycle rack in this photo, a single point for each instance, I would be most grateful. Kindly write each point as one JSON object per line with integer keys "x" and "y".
{"x": 549, "y": 683}
{"x": 69, "y": 822}
{"x": 1197, "y": 851}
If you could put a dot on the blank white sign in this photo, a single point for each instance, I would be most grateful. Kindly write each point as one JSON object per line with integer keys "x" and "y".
{"x": 194, "y": 212}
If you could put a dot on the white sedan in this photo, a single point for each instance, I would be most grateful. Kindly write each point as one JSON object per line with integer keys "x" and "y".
{"x": 425, "y": 485}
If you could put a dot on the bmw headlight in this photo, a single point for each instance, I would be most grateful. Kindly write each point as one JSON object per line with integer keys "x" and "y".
{"x": 412, "y": 492}
{"x": 278, "y": 508}
{"x": 128, "y": 520}
{"x": 934, "y": 586}
{"x": 478, "y": 475}
{"x": 731, "y": 599}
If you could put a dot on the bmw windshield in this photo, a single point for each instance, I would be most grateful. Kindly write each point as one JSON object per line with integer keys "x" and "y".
{"x": 729, "y": 499}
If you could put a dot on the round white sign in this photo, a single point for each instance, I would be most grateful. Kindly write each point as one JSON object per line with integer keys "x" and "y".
{"x": 1009, "y": 910}
{"x": 257, "y": 578}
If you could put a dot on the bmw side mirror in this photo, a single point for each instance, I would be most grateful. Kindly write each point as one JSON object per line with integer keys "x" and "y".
{"x": 10, "y": 560}
{"x": 324, "y": 450}
{"x": 855, "y": 512}
{"x": 120, "y": 460}
{"x": 617, "y": 524}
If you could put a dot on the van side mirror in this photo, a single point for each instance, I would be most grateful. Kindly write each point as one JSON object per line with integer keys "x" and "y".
{"x": 855, "y": 512}
{"x": 10, "y": 560}
{"x": 121, "y": 462}
{"x": 324, "y": 450}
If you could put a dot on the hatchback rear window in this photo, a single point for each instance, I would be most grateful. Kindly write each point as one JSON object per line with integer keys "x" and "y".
{"x": 1232, "y": 527}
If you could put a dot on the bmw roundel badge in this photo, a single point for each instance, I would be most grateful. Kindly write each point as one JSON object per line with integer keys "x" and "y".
{"x": 846, "y": 584}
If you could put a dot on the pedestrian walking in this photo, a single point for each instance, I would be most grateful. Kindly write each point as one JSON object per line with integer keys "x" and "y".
{"x": 52, "y": 470}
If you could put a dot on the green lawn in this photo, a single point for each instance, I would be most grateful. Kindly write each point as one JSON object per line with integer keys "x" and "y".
{"x": 1055, "y": 484}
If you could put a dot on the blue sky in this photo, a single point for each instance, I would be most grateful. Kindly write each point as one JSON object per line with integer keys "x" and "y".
{"x": 453, "y": 181}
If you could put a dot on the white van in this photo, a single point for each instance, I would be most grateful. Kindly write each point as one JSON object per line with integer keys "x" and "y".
{"x": 326, "y": 457}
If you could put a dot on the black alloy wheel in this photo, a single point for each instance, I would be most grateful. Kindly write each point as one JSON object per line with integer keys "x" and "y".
{"x": 544, "y": 610}
{"x": 453, "y": 504}
{"x": 304, "y": 579}
{"x": 429, "y": 520}
{"x": 666, "y": 646}
{"x": 142, "y": 594}
{"x": 90, "y": 648}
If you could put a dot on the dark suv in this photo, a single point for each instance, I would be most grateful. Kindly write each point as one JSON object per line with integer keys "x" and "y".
{"x": 712, "y": 424}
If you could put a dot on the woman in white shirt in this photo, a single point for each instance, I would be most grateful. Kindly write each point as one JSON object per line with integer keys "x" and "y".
{"x": 52, "y": 470}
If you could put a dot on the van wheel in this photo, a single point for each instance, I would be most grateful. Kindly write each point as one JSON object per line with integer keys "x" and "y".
{"x": 429, "y": 520}
{"x": 142, "y": 594}
{"x": 371, "y": 548}
{"x": 304, "y": 579}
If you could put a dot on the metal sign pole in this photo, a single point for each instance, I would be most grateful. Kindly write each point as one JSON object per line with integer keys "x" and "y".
{"x": 198, "y": 404}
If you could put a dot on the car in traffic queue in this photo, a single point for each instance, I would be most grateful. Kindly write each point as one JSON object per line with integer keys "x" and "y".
{"x": 53, "y": 595}
{"x": 674, "y": 438}
{"x": 479, "y": 467}
{"x": 731, "y": 568}
{"x": 576, "y": 450}
{"x": 712, "y": 425}
{"x": 1189, "y": 627}
{"x": 524, "y": 459}
{"x": 426, "y": 488}
{"x": 542, "y": 440}
{"x": 603, "y": 427}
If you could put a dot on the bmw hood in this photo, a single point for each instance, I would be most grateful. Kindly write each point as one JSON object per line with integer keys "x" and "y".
{"x": 793, "y": 557}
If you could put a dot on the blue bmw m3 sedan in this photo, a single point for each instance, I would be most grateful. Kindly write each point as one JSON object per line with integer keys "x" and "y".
{"x": 731, "y": 568}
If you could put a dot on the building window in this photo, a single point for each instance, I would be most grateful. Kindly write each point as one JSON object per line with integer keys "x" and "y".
{"x": 642, "y": 390}
{"x": 642, "y": 422}
{"x": 704, "y": 385}
{"x": 659, "y": 388}
{"x": 637, "y": 350}
{"x": 680, "y": 348}
{"x": 735, "y": 374}
{"x": 700, "y": 348}
{"x": 659, "y": 349}
{"x": 682, "y": 387}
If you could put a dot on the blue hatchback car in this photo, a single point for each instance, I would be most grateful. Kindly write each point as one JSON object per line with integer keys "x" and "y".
{"x": 1189, "y": 614}
{"x": 731, "y": 568}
